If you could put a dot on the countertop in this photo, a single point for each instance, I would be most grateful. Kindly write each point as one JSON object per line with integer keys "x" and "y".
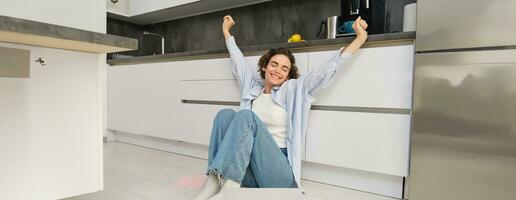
{"x": 388, "y": 39}
{"x": 27, "y": 32}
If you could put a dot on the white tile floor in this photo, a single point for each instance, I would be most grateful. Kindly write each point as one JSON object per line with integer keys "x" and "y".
{"x": 136, "y": 173}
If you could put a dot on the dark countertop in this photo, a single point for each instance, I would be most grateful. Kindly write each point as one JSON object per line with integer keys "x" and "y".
{"x": 388, "y": 39}
{"x": 27, "y": 32}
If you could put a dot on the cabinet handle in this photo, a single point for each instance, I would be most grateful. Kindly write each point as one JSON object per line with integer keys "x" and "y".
{"x": 41, "y": 61}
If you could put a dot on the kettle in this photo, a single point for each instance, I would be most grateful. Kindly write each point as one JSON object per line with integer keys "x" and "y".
{"x": 331, "y": 27}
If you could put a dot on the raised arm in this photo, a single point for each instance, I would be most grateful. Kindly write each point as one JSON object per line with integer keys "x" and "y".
{"x": 227, "y": 23}
{"x": 243, "y": 73}
{"x": 322, "y": 75}
{"x": 359, "y": 26}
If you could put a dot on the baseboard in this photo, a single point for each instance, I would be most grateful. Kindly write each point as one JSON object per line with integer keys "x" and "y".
{"x": 183, "y": 148}
{"x": 375, "y": 183}
{"x": 371, "y": 182}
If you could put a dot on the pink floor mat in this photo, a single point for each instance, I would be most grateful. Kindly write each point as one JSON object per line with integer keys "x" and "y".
{"x": 190, "y": 182}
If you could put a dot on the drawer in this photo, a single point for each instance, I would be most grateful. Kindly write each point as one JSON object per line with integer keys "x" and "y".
{"x": 374, "y": 77}
{"x": 210, "y": 90}
{"x": 365, "y": 141}
{"x": 208, "y": 69}
{"x": 217, "y": 82}
{"x": 220, "y": 69}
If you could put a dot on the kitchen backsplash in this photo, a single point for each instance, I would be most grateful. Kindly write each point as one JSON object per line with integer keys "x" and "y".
{"x": 270, "y": 22}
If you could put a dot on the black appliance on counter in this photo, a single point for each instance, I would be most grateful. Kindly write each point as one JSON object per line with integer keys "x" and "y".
{"x": 373, "y": 11}
{"x": 340, "y": 26}
{"x": 352, "y": 9}
{"x": 382, "y": 16}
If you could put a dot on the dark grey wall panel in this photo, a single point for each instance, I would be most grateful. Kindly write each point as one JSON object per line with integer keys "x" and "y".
{"x": 270, "y": 22}
{"x": 262, "y": 23}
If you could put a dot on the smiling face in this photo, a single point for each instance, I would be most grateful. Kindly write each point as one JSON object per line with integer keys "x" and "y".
{"x": 277, "y": 70}
{"x": 277, "y": 66}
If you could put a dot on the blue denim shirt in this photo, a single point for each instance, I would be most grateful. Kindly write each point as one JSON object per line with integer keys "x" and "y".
{"x": 295, "y": 96}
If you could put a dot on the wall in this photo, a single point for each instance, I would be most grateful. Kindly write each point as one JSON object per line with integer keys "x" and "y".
{"x": 127, "y": 29}
{"x": 270, "y": 22}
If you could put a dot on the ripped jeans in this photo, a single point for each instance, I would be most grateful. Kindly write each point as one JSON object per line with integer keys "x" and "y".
{"x": 242, "y": 149}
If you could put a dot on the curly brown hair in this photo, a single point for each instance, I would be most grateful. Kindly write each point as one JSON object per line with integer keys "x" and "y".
{"x": 264, "y": 60}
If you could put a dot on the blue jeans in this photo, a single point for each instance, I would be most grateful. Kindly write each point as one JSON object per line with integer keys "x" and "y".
{"x": 242, "y": 149}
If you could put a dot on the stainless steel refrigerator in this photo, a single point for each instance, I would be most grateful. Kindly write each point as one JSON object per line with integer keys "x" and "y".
{"x": 463, "y": 142}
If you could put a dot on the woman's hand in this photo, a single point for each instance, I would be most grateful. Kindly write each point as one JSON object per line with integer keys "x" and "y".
{"x": 359, "y": 26}
{"x": 226, "y": 25}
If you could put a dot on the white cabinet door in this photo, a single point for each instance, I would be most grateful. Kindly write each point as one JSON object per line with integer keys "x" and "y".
{"x": 124, "y": 86}
{"x": 207, "y": 69}
{"x": 121, "y": 7}
{"x": 374, "y": 77}
{"x": 160, "y": 100}
{"x": 210, "y": 90}
{"x": 197, "y": 121}
{"x": 144, "y": 99}
{"x": 137, "y": 7}
{"x": 86, "y": 15}
{"x": 51, "y": 140}
{"x": 302, "y": 62}
{"x": 365, "y": 141}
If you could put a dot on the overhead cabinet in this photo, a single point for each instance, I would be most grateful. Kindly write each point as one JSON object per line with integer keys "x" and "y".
{"x": 154, "y": 11}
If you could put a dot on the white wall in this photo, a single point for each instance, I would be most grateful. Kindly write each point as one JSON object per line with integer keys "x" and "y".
{"x": 87, "y": 15}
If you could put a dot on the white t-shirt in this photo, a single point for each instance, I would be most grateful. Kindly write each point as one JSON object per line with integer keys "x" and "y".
{"x": 273, "y": 116}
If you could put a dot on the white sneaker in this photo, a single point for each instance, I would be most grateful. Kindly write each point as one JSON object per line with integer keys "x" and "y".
{"x": 227, "y": 184}
{"x": 210, "y": 188}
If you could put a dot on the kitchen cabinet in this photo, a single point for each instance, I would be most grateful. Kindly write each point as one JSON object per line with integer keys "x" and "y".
{"x": 160, "y": 106}
{"x": 374, "y": 142}
{"x": 144, "y": 99}
{"x": 197, "y": 120}
{"x": 374, "y": 77}
{"x": 210, "y": 90}
{"x": 138, "y": 7}
{"x": 118, "y": 7}
{"x": 154, "y": 11}
{"x": 367, "y": 123}
{"x": 124, "y": 88}
{"x": 211, "y": 81}
{"x": 53, "y": 12}
{"x": 207, "y": 69}
{"x": 50, "y": 127}
{"x": 51, "y": 124}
